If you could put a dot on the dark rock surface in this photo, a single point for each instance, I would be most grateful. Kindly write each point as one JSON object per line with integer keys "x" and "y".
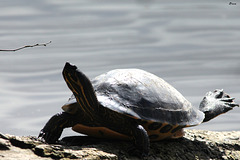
{"x": 196, "y": 144}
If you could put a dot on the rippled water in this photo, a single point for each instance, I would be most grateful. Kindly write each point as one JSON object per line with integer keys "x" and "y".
{"x": 192, "y": 45}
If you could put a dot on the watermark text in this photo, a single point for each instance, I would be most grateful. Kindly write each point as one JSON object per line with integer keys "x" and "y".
{"x": 232, "y": 3}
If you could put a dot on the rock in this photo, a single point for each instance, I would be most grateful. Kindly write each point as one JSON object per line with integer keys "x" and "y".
{"x": 4, "y": 144}
{"x": 196, "y": 144}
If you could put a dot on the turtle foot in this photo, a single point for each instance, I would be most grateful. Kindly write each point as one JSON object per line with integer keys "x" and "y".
{"x": 216, "y": 103}
{"x": 48, "y": 136}
{"x": 227, "y": 101}
{"x": 133, "y": 151}
{"x": 53, "y": 129}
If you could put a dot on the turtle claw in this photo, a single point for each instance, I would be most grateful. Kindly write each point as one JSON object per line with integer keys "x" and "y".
{"x": 227, "y": 99}
{"x": 41, "y": 135}
{"x": 218, "y": 93}
{"x": 227, "y": 96}
{"x": 233, "y": 104}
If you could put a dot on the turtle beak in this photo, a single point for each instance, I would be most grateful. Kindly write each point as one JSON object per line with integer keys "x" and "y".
{"x": 69, "y": 66}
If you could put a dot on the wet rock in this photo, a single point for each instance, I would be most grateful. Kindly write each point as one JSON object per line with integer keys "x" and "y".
{"x": 196, "y": 144}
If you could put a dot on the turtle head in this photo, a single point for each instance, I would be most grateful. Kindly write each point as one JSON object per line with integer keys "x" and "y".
{"x": 81, "y": 87}
{"x": 69, "y": 70}
{"x": 72, "y": 77}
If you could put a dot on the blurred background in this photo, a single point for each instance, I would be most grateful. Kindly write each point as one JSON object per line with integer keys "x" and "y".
{"x": 193, "y": 45}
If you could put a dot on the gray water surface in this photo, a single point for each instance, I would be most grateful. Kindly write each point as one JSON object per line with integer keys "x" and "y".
{"x": 193, "y": 45}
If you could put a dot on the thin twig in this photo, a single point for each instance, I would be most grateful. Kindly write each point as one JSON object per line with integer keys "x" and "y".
{"x": 28, "y": 46}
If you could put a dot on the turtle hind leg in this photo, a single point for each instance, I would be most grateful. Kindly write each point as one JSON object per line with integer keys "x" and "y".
{"x": 52, "y": 131}
{"x": 216, "y": 103}
{"x": 141, "y": 142}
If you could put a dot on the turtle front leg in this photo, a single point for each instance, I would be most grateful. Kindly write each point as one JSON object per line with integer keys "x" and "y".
{"x": 216, "y": 103}
{"x": 52, "y": 131}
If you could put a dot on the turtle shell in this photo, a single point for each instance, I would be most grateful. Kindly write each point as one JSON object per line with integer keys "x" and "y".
{"x": 144, "y": 96}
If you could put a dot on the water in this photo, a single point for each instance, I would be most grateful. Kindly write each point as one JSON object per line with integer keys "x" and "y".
{"x": 192, "y": 45}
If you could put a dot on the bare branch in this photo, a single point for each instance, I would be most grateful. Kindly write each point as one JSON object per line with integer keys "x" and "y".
{"x": 27, "y": 46}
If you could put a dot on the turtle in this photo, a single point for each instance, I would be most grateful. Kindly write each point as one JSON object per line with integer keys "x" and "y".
{"x": 130, "y": 104}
